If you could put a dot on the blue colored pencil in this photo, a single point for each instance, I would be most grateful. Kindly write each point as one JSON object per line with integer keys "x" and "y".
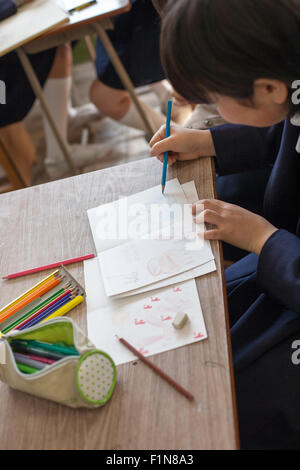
{"x": 47, "y": 312}
{"x": 165, "y": 164}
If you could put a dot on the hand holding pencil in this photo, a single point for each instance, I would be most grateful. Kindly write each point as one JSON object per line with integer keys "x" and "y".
{"x": 183, "y": 144}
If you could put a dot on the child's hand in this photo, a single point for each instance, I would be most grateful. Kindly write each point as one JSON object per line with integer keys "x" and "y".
{"x": 183, "y": 144}
{"x": 233, "y": 224}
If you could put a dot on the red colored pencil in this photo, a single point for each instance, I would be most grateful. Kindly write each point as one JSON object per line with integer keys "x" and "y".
{"x": 156, "y": 369}
{"x": 48, "y": 266}
{"x": 41, "y": 359}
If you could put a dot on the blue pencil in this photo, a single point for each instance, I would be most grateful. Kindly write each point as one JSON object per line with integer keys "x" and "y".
{"x": 165, "y": 164}
{"x": 47, "y": 312}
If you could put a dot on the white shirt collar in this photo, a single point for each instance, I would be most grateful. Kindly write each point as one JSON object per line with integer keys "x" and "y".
{"x": 295, "y": 120}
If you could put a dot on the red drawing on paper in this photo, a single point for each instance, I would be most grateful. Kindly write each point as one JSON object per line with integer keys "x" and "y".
{"x": 165, "y": 318}
{"x": 198, "y": 335}
{"x": 143, "y": 351}
{"x": 177, "y": 289}
{"x": 155, "y": 299}
{"x": 146, "y": 307}
{"x": 168, "y": 262}
{"x": 139, "y": 322}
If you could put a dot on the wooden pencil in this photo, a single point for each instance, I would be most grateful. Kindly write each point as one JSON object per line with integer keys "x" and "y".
{"x": 167, "y": 134}
{"x": 22, "y": 296}
{"x": 32, "y": 311}
{"x": 29, "y": 298}
{"x": 156, "y": 369}
{"x": 49, "y": 266}
{"x": 43, "y": 309}
{"x": 66, "y": 308}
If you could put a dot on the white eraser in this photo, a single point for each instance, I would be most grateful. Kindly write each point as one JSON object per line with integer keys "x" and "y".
{"x": 180, "y": 320}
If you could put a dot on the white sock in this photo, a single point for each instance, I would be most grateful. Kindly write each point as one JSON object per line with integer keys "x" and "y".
{"x": 57, "y": 93}
{"x": 133, "y": 119}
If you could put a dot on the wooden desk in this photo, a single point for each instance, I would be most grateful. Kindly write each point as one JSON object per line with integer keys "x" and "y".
{"x": 49, "y": 222}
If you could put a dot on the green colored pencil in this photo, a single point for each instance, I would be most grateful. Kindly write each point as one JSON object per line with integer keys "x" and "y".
{"x": 26, "y": 369}
{"x": 31, "y": 312}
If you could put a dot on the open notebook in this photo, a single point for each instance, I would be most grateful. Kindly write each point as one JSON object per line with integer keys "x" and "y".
{"x": 31, "y": 20}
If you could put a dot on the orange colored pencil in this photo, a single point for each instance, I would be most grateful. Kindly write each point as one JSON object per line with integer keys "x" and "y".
{"x": 34, "y": 295}
{"x": 32, "y": 289}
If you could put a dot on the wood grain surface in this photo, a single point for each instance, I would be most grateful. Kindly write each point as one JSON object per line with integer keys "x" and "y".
{"x": 47, "y": 223}
{"x": 101, "y": 10}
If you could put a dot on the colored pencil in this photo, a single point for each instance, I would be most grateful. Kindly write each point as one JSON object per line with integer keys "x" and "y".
{"x": 49, "y": 266}
{"x": 32, "y": 311}
{"x": 156, "y": 369}
{"x": 46, "y": 313}
{"x": 41, "y": 359}
{"x": 27, "y": 369}
{"x": 167, "y": 134}
{"x": 34, "y": 295}
{"x": 27, "y": 361}
{"x": 65, "y": 309}
{"x": 81, "y": 7}
{"x": 53, "y": 347}
{"x": 19, "y": 346}
{"x": 36, "y": 286}
{"x": 43, "y": 309}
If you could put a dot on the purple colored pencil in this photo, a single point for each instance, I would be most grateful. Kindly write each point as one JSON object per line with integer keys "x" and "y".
{"x": 47, "y": 312}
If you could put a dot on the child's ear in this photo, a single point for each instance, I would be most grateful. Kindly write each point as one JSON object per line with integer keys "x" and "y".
{"x": 271, "y": 90}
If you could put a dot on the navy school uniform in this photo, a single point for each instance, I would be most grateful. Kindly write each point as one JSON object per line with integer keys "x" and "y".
{"x": 264, "y": 292}
{"x": 19, "y": 94}
{"x": 136, "y": 39}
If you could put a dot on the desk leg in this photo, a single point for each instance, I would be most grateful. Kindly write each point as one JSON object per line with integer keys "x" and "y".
{"x": 34, "y": 82}
{"x": 123, "y": 75}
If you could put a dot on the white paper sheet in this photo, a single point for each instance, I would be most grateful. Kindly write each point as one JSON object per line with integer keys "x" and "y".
{"x": 191, "y": 195}
{"x": 143, "y": 262}
{"x": 144, "y": 320}
{"x": 132, "y": 217}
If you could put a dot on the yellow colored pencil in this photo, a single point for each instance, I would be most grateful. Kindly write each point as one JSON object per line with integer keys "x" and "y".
{"x": 36, "y": 286}
{"x": 65, "y": 309}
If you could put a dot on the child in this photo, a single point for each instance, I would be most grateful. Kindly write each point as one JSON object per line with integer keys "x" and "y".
{"x": 244, "y": 56}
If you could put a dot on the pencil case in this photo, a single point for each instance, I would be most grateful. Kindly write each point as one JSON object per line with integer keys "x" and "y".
{"x": 86, "y": 380}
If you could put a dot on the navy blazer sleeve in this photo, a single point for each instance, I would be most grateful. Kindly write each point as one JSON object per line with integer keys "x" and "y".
{"x": 7, "y": 8}
{"x": 278, "y": 269}
{"x": 243, "y": 148}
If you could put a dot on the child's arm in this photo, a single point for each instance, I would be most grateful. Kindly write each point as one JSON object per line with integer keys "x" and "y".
{"x": 183, "y": 144}
{"x": 233, "y": 224}
{"x": 237, "y": 148}
{"x": 279, "y": 269}
{"x": 279, "y": 251}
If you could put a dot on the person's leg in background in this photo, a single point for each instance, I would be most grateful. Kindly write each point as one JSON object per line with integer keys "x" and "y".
{"x": 136, "y": 40}
{"x": 57, "y": 92}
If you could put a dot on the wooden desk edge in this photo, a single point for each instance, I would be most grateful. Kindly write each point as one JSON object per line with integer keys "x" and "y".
{"x": 233, "y": 394}
{"x": 69, "y": 26}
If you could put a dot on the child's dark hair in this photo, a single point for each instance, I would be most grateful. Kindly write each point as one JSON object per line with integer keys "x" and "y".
{"x": 223, "y": 46}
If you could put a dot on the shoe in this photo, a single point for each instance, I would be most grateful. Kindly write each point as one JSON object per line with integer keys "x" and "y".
{"x": 81, "y": 117}
{"x": 82, "y": 155}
